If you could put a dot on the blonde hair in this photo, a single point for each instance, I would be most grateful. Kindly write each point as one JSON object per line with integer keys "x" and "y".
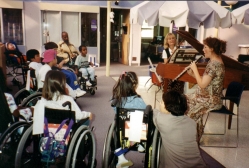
{"x": 165, "y": 43}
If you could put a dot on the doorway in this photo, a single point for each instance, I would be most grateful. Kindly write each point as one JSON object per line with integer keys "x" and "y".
{"x": 117, "y": 31}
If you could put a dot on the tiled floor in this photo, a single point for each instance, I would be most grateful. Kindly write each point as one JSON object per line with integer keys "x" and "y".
{"x": 229, "y": 157}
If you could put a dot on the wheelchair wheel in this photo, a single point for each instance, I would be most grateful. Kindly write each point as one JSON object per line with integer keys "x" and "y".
{"x": 21, "y": 95}
{"x": 82, "y": 149}
{"x": 9, "y": 141}
{"x": 28, "y": 158}
{"x": 156, "y": 146}
{"x": 92, "y": 91}
{"x": 109, "y": 158}
{"x": 31, "y": 100}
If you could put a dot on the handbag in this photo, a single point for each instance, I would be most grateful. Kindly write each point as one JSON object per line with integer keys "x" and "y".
{"x": 50, "y": 147}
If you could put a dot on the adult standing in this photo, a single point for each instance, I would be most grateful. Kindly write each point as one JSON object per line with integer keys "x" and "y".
{"x": 208, "y": 94}
{"x": 170, "y": 47}
{"x": 66, "y": 50}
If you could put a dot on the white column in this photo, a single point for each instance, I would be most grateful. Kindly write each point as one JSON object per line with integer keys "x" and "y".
{"x": 201, "y": 33}
{"x": 108, "y": 38}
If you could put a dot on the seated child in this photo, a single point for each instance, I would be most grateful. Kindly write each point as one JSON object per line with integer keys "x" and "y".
{"x": 85, "y": 67}
{"x": 12, "y": 52}
{"x": 34, "y": 58}
{"x": 124, "y": 94}
{"x": 55, "y": 93}
{"x": 51, "y": 61}
{"x": 178, "y": 132}
{"x": 71, "y": 77}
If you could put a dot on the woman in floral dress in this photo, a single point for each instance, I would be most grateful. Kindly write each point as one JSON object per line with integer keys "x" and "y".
{"x": 208, "y": 94}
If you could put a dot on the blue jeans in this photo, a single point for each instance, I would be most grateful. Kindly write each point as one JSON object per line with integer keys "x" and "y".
{"x": 70, "y": 78}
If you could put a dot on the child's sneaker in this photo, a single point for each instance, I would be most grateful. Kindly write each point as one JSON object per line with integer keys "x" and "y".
{"x": 79, "y": 92}
{"x": 88, "y": 83}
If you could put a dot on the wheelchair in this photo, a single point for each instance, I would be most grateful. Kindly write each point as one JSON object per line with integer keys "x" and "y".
{"x": 12, "y": 130}
{"x": 83, "y": 85}
{"x": 81, "y": 148}
{"x": 82, "y": 80}
{"x": 116, "y": 137}
{"x": 28, "y": 98}
{"x": 16, "y": 63}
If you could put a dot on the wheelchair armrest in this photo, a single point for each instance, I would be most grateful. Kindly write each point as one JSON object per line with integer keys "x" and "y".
{"x": 67, "y": 103}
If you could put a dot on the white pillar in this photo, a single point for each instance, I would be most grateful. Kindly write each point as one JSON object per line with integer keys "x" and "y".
{"x": 201, "y": 33}
{"x": 108, "y": 38}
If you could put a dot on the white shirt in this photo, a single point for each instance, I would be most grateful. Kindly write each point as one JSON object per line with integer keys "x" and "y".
{"x": 36, "y": 66}
{"x": 80, "y": 59}
{"x": 170, "y": 51}
{"x": 42, "y": 74}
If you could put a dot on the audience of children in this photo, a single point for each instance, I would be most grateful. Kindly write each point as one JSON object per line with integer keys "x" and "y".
{"x": 55, "y": 93}
{"x": 50, "y": 61}
{"x": 124, "y": 94}
{"x": 178, "y": 132}
{"x": 85, "y": 67}
{"x": 71, "y": 77}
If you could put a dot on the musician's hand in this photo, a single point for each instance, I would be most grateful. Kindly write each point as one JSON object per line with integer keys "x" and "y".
{"x": 190, "y": 72}
{"x": 193, "y": 66}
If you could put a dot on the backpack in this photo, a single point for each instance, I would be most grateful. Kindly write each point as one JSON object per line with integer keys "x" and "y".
{"x": 49, "y": 147}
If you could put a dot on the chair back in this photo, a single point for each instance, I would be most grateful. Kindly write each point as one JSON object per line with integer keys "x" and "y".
{"x": 123, "y": 119}
{"x": 243, "y": 58}
{"x": 234, "y": 92}
{"x": 55, "y": 116}
{"x": 155, "y": 80}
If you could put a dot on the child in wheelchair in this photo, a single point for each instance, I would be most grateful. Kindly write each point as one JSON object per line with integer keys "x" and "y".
{"x": 17, "y": 60}
{"x": 178, "y": 133}
{"x": 69, "y": 71}
{"x": 85, "y": 67}
{"x": 55, "y": 93}
{"x": 124, "y": 95}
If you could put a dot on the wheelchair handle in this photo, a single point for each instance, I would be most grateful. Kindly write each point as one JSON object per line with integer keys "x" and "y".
{"x": 114, "y": 102}
{"x": 67, "y": 103}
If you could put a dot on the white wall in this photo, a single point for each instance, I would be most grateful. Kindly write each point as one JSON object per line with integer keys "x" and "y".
{"x": 32, "y": 26}
{"x": 237, "y": 34}
{"x": 135, "y": 44}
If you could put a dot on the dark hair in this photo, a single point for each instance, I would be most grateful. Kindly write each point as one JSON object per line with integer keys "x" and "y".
{"x": 175, "y": 103}
{"x": 55, "y": 82}
{"x": 74, "y": 67}
{"x": 64, "y": 32}
{"x": 125, "y": 87}
{"x": 81, "y": 46}
{"x": 31, "y": 54}
{"x": 219, "y": 46}
{"x": 50, "y": 45}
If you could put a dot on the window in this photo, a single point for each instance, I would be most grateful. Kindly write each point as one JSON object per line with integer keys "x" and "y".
{"x": 147, "y": 31}
{"x": 89, "y": 29}
{"x": 12, "y": 25}
{"x": 81, "y": 27}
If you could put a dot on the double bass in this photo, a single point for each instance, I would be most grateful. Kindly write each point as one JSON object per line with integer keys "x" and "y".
{"x": 180, "y": 59}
